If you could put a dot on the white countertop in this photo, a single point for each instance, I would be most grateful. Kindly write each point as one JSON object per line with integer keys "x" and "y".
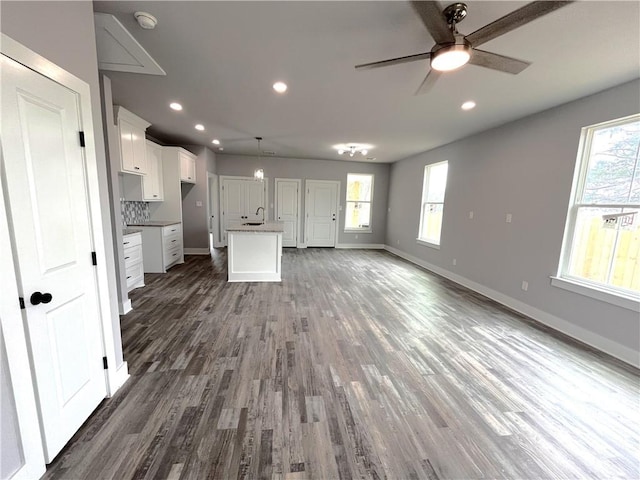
{"x": 264, "y": 227}
{"x": 154, "y": 223}
{"x": 130, "y": 231}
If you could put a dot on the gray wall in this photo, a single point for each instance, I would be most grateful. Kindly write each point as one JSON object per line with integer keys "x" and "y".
{"x": 275, "y": 167}
{"x": 524, "y": 168}
{"x": 63, "y": 33}
{"x": 195, "y": 224}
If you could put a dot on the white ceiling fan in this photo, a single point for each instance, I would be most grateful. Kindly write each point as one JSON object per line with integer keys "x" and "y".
{"x": 453, "y": 50}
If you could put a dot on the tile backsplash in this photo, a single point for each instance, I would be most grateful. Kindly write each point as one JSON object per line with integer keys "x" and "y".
{"x": 134, "y": 212}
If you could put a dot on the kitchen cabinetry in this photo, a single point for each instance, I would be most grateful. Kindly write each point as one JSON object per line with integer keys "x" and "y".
{"x": 133, "y": 260}
{"x": 131, "y": 134}
{"x": 187, "y": 167}
{"x": 162, "y": 247}
{"x": 241, "y": 198}
{"x": 149, "y": 187}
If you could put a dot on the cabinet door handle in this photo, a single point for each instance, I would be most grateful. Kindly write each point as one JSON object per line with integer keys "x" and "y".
{"x": 155, "y": 196}
{"x": 137, "y": 168}
{"x": 175, "y": 254}
{"x": 128, "y": 277}
{"x": 126, "y": 243}
{"x": 126, "y": 258}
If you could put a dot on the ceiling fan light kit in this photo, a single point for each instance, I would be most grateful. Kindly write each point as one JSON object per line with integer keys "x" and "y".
{"x": 146, "y": 20}
{"x": 450, "y": 57}
{"x": 352, "y": 148}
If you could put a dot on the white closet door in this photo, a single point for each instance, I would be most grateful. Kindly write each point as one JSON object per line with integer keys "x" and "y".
{"x": 321, "y": 207}
{"x": 287, "y": 194}
{"x": 50, "y": 229}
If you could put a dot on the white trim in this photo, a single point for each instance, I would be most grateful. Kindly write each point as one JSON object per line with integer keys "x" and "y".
{"x": 594, "y": 292}
{"x": 615, "y": 349}
{"x": 120, "y": 376}
{"x": 357, "y": 230}
{"x": 125, "y": 307}
{"x": 368, "y": 246}
{"x": 426, "y": 243}
{"x": 197, "y": 251}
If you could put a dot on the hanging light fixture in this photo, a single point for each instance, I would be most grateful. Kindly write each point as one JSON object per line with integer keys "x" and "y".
{"x": 258, "y": 174}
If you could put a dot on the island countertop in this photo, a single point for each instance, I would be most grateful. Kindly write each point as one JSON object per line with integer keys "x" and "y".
{"x": 277, "y": 227}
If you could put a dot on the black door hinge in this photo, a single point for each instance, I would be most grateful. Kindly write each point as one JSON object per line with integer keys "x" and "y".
{"x": 21, "y": 300}
{"x": 105, "y": 365}
{"x": 94, "y": 258}
{"x": 81, "y": 135}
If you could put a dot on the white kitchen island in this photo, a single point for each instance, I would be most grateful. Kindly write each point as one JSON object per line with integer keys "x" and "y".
{"x": 254, "y": 252}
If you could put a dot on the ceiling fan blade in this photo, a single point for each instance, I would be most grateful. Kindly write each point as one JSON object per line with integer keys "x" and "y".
{"x": 395, "y": 61}
{"x": 431, "y": 15}
{"x": 513, "y": 20}
{"x": 428, "y": 82}
{"x": 497, "y": 62}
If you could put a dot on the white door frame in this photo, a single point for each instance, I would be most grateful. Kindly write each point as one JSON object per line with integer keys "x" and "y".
{"x": 221, "y": 179}
{"x": 212, "y": 198}
{"x": 338, "y": 207}
{"x": 11, "y": 318}
{"x": 299, "y": 241}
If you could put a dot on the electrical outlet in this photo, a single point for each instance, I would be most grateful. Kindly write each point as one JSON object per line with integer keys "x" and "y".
{"x": 455, "y": 262}
{"x": 398, "y": 242}
{"x": 525, "y": 285}
{"x": 356, "y": 236}
{"x": 471, "y": 214}
{"x": 198, "y": 203}
{"x": 508, "y": 218}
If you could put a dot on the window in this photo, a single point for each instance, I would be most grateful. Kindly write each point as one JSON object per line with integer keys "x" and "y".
{"x": 433, "y": 188}
{"x": 602, "y": 238}
{"x": 359, "y": 196}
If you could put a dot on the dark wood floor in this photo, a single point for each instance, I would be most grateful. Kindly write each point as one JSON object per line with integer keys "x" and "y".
{"x": 357, "y": 365}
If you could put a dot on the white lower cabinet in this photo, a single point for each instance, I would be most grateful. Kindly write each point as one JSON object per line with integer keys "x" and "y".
{"x": 133, "y": 260}
{"x": 162, "y": 247}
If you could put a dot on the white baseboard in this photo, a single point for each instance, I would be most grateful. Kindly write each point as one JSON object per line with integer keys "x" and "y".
{"x": 196, "y": 251}
{"x": 125, "y": 307}
{"x": 621, "y": 352}
{"x": 369, "y": 246}
{"x": 118, "y": 378}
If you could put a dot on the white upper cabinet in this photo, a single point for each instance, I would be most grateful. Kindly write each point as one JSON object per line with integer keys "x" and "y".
{"x": 133, "y": 149}
{"x": 187, "y": 167}
{"x": 152, "y": 190}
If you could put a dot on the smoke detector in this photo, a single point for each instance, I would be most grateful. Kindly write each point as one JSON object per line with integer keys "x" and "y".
{"x": 146, "y": 20}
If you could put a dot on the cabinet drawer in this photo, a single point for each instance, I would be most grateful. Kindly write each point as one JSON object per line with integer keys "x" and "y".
{"x": 131, "y": 240}
{"x": 169, "y": 230}
{"x": 173, "y": 255}
{"x": 132, "y": 255}
{"x": 135, "y": 275}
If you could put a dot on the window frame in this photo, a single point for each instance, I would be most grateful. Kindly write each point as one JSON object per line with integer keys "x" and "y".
{"x": 620, "y": 296}
{"x": 424, "y": 201}
{"x": 368, "y": 229}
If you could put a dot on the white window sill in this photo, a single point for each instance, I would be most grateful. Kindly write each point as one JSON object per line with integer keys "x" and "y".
{"x": 426, "y": 243}
{"x": 357, "y": 230}
{"x": 592, "y": 291}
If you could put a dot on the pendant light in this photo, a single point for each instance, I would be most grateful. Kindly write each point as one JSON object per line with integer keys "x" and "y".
{"x": 258, "y": 174}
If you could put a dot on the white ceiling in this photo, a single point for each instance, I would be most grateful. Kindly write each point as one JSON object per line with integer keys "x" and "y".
{"x": 222, "y": 58}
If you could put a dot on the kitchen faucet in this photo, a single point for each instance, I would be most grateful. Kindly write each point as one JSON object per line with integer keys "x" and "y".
{"x": 261, "y": 208}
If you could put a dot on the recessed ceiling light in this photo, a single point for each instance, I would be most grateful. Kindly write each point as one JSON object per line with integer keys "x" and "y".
{"x": 215, "y": 141}
{"x": 221, "y": 149}
{"x": 175, "y": 106}
{"x": 468, "y": 105}
{"x": 200, "y": 127}
{"x": 280, "y": 87}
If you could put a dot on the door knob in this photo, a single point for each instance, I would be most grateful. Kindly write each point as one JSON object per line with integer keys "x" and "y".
{"x": 37, "y": 298}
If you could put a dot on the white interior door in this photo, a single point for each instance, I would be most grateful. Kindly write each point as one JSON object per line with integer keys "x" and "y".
{"x": 213, "y": 210}
{"x": 232, "y": 204}
{"x": 47, "y": 204}
{"x": 321, "y": 206}
{"x": 254, "y": 198}
{"x": 287, "y": 201}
